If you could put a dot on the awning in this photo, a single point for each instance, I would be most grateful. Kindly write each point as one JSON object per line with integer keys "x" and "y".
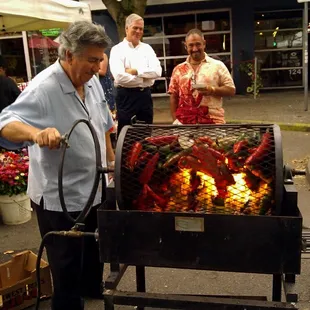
{"x": 21, "y": 15}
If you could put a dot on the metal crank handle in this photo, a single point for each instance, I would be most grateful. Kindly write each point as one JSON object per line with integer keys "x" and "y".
{"x": 64, "y": 141}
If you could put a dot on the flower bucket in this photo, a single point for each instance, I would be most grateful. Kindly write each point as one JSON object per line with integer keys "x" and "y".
{"x": 15, "y": 209}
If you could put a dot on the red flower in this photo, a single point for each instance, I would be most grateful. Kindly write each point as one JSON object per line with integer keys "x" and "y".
{"x": 13, "y": 172}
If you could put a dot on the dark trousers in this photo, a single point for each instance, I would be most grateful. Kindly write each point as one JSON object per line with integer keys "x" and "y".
{"x": 133, "y": 101}
{"x": 74, "y": 262}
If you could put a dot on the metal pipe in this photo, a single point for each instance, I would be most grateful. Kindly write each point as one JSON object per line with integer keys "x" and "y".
{"x": 305, "y": 54}
{"x": 27, "y": 57}
{"x": 255, "y": 77}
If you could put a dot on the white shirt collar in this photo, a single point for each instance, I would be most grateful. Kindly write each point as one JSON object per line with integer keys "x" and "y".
{"x": 130, "y": 44}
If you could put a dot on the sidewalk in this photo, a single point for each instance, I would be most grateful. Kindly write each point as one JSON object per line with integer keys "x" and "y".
{"x": 285, "y": 108}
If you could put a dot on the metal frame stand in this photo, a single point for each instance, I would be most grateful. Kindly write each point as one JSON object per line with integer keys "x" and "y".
{"x": 142, "y": 299}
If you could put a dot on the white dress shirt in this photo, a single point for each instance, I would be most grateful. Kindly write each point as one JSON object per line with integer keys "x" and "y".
{"x": 142, "y": 58}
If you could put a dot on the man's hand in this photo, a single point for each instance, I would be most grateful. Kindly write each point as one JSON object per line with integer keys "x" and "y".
{"x": 48, "y": 137}
{"x": 207, "y": 91}
{"x": 131, "y": 71}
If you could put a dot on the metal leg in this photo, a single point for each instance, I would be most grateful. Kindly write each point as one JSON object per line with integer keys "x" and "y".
{"x": 108, "y": 300}
{"x": 276, "y": 287}
{"x": 289, "y": 288}
{"x": 140, "y": 278}
{"x": 290, "y": 278}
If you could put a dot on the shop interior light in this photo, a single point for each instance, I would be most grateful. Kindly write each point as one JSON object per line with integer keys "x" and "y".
{"x": 275, "y": 32}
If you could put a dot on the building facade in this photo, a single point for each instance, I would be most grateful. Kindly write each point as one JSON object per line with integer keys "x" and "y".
{"x": 235, "y": 30}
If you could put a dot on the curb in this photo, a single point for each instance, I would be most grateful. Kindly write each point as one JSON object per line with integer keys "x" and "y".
{"x": 283, "y": 126}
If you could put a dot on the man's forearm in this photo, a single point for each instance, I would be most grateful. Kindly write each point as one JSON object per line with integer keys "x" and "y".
{"x": 110, "y": 152}
{"x": 224, "y": 91}
{"x": 173, "y": 105}
{"x": 18, "y": 132}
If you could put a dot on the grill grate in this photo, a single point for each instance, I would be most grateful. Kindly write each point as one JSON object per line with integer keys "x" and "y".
{"x": 203, "y": 169}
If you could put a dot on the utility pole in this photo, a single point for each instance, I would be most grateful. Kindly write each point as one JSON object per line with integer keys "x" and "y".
{"x": 305, "y": 51}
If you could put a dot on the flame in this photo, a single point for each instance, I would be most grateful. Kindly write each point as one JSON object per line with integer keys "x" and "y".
{"x": 201, "y": 199}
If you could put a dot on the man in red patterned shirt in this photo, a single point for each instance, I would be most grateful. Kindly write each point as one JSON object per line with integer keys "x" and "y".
{"x": 198, "y": 85}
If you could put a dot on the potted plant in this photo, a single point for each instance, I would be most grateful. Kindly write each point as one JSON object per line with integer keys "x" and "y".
{"x": 248, "y": 69}
{"x": 14, "y": 202}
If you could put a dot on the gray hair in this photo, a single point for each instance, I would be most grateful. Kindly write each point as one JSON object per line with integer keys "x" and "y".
{"x": 80, "y": 35}
{"x": 194, "y": 31}
{"x": 132, "y": 18}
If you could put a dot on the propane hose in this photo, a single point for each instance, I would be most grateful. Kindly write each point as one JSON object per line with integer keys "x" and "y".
{"x": 78, "y": 222}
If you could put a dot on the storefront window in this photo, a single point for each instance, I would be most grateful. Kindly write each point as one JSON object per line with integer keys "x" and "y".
{"x": 283, "y": 19}
{"x": 281, "y": 39}
{"x": 42, "y": 50}
{"x": 153, "y": 27}
{"x": 278, "y": 47}
{"x": 179, "y": 24}
{"x": 280, "y": 59}
{"x": 213, "y": 21}
{"x": 12, "y": 50}
{"x": 171, "y": 63}
{"x": 218, "y": 43}
{"x": 282, "y": 78}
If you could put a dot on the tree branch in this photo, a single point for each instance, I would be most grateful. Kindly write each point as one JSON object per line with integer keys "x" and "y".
{"x": 120, "y": 10}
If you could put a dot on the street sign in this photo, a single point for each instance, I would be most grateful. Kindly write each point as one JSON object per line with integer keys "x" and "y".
{"x": 303, "y": 1}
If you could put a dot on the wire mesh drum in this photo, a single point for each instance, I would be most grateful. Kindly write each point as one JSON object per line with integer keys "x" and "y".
{"x": 222, "y": 169}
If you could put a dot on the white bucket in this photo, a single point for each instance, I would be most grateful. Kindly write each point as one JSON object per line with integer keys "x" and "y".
{"x": 15, "y": 209}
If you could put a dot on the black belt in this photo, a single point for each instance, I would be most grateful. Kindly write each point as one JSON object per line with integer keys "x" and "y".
{"x": 134, "y": 88}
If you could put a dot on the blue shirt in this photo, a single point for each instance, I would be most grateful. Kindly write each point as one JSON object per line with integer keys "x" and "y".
{"x": 51, "y": 100}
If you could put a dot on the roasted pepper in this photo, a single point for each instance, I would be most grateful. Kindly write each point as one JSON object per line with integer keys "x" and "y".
{"x": 240, "y": 146}
{"x": 162, "y": 140}
{"x": 161, "y": 202}
{"x": 145, "y": 156}
{"x": 206, "y": 140}
{"x": 172, "y": 160}
{"x": 251, "y": 180}
{"x": 149, "y": 169}
{"x": 208, "y": 161}
{"x": 218, "y": 155}
{"x": 133, "y": 155}
{"x": 190, "y": 162}
{"x": 261, "y": 151}
{"x": 265, "y": 204}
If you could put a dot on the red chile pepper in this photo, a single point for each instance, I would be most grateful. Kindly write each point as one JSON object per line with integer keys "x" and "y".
{"x": 232, "y": 161}
{"x": 258, "y": 173}
{"x": 133, "y": 155}
{"x": 240, "y": 146}
{"x": 226, "y": 175}
{"x": 218, "y": 155}
{"x": 142, "y": 203}
{"x": 190, "y": 162}
{"x": 175, "y": 158}
{"x": 161, "y": 202}
{"x": 252, "y": 150}
{"x": 144, "y": 157}
{"x": 221, "y": 186}
{"x": 206, "y": 140}
{"x": 162, "y": 140}
{"x": 262, "y": 150}
{"x": 195, "y": 182}
{"x": 149, "y": 169}
{"x": 208, "y": 161}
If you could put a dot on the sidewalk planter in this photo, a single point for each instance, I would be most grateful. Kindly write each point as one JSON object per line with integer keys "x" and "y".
{"x": 15, "y": 209}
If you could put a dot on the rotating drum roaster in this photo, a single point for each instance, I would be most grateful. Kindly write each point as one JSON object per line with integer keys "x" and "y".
{"x": 207, "y": 197}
